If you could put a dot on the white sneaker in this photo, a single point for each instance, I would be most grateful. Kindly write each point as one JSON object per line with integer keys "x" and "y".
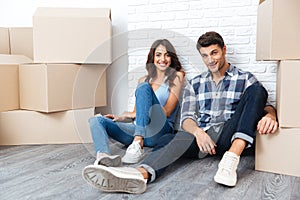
{"x": 134, "y": 153}
{"x": 115, "y": 179}
{"x": 108, "y": 160}
{"x": 226, "y": 173}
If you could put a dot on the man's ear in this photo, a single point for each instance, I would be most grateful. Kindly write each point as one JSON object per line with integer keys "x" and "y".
{"x": 224, "y": 49}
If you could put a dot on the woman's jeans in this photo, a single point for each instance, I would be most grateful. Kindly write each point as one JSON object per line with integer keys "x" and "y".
{"x": 243, "y": 125}
{"x": 151, "y": 123}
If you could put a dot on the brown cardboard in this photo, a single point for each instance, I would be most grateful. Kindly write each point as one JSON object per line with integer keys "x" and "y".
{"x": 288, "y": 95}
{"x": 29, "y": 127}
{"x": 59, "y": 87}
{"x": 278, "y": 30}
{"x": 101, "y": 92}
{"x": 21, "y": 41}
{"x": 4, "y": 41}
{"x": 72, "y": 35}
{"x": 279, "y": 152}
{"x": 9, "y": 81}
{"x": 90, "y": 85}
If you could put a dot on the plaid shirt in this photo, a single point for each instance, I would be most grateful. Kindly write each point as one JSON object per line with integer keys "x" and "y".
{"x": 211, "y": 105}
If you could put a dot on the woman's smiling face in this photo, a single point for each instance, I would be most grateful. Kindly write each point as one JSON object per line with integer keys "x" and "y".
{"x": 162, "y": 59}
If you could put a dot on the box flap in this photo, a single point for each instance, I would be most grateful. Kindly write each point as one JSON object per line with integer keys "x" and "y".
{"x": 14, "y": 59}
{"x": 21, "y": 41}
{"x": 260, "y": 1}
{"x": 4, "y": 41}
{"x": 72, "y": 12}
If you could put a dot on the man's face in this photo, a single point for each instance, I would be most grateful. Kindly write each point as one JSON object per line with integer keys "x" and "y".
{"x": 213, "y": 57}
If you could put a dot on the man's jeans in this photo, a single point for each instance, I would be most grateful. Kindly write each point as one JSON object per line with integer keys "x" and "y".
{"x": 243, "y": 124}
{"x": 151, "y": 123}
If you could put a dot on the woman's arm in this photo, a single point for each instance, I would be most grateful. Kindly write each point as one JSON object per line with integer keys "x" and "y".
{"x": 174, "y": 94}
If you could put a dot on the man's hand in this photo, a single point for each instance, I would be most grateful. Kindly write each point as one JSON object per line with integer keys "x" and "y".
{"x": 267, "y": 124}
{"x": 205, "y": 143}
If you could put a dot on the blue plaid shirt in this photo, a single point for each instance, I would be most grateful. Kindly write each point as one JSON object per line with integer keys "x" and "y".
{"x": 211, "y": 105}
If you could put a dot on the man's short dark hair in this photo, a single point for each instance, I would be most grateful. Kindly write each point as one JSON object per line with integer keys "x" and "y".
{"x": 210, "y": 38}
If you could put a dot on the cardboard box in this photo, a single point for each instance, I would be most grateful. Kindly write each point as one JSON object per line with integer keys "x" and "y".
{"x": 101, "y": 91}
{"x": 4, "y": 41}
{"x": 29, "y": 127}
{"x": 278, "y": 30}
{"x": 279, "y": 152}
{"x": 21, "y": 41}
{"x": 59, "y": 87}
{"x": 72, "y": 35}
{"x": 288, "y": 95}
{"x": 90, "y": 85}
{"x": 9, "y": 81}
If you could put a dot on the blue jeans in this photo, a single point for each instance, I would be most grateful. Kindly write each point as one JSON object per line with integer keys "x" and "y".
{"x": 151, "y": 123}
{"x": 242, "y": 124}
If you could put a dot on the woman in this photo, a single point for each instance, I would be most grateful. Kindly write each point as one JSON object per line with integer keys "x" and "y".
{"x": 156, "y": 105}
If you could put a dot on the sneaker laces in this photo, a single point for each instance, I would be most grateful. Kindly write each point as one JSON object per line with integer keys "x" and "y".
{"x": 229, "y": 163}
{"x": 134, "y": 147}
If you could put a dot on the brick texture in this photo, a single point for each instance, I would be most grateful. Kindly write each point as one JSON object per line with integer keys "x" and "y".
{"x": 182, "y": 22}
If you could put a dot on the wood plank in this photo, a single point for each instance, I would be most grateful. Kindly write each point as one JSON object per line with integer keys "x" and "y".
{"x": 54, "y": 172}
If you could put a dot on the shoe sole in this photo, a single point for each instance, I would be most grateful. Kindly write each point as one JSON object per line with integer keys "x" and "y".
{"x": 107, "y": 181}
{"x": 223, "y": 181}
{"x": 110, "y": 161}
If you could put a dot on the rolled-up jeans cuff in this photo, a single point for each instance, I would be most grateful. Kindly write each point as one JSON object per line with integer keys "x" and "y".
{"x": 150, "y": 170}
{"x": 139, "y": 130}
{"x": 243, "y": 136}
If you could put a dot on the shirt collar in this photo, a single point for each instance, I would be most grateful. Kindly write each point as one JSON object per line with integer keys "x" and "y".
{"x": 229, "y": 71}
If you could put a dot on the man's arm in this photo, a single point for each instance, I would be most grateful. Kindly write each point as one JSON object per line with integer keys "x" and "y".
{"x": 205, "y": 143}
{"x": 268, "y": 124}
{"x": 189, "y": 123}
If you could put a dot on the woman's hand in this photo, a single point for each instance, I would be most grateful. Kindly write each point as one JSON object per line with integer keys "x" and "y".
{"x": 125, "y": 117}
{"x": 113, "y": 117}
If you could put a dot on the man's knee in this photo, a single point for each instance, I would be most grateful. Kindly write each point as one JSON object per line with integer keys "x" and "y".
{"x": 257, "y": 89}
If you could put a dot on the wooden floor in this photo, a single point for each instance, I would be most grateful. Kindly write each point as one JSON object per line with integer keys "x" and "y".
{"x": 54, "y": 172}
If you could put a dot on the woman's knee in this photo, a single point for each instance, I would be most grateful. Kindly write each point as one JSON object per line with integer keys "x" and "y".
{"x": 93, "y": 120}
{"x": 144, "y": 86}
{"x": 97, "y": 120}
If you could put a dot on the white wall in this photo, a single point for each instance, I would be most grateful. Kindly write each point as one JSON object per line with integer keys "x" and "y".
{"x": 18, "y": 13}
{"x": 183, "y": 21}
{"x": 180, "y": 21}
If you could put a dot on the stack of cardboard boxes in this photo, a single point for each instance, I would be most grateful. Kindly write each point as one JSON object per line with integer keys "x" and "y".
{"x": 278, "y": 38}
{"x": 53, "y": 75}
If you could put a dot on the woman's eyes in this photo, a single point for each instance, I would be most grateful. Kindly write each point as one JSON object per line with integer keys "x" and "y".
{"x": 159, "y": 54}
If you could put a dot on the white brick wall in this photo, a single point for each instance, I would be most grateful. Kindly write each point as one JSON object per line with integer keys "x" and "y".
{"x": 182, "y": 22}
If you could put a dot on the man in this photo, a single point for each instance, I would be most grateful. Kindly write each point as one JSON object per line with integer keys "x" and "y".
{"x": 221, "y": 111}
